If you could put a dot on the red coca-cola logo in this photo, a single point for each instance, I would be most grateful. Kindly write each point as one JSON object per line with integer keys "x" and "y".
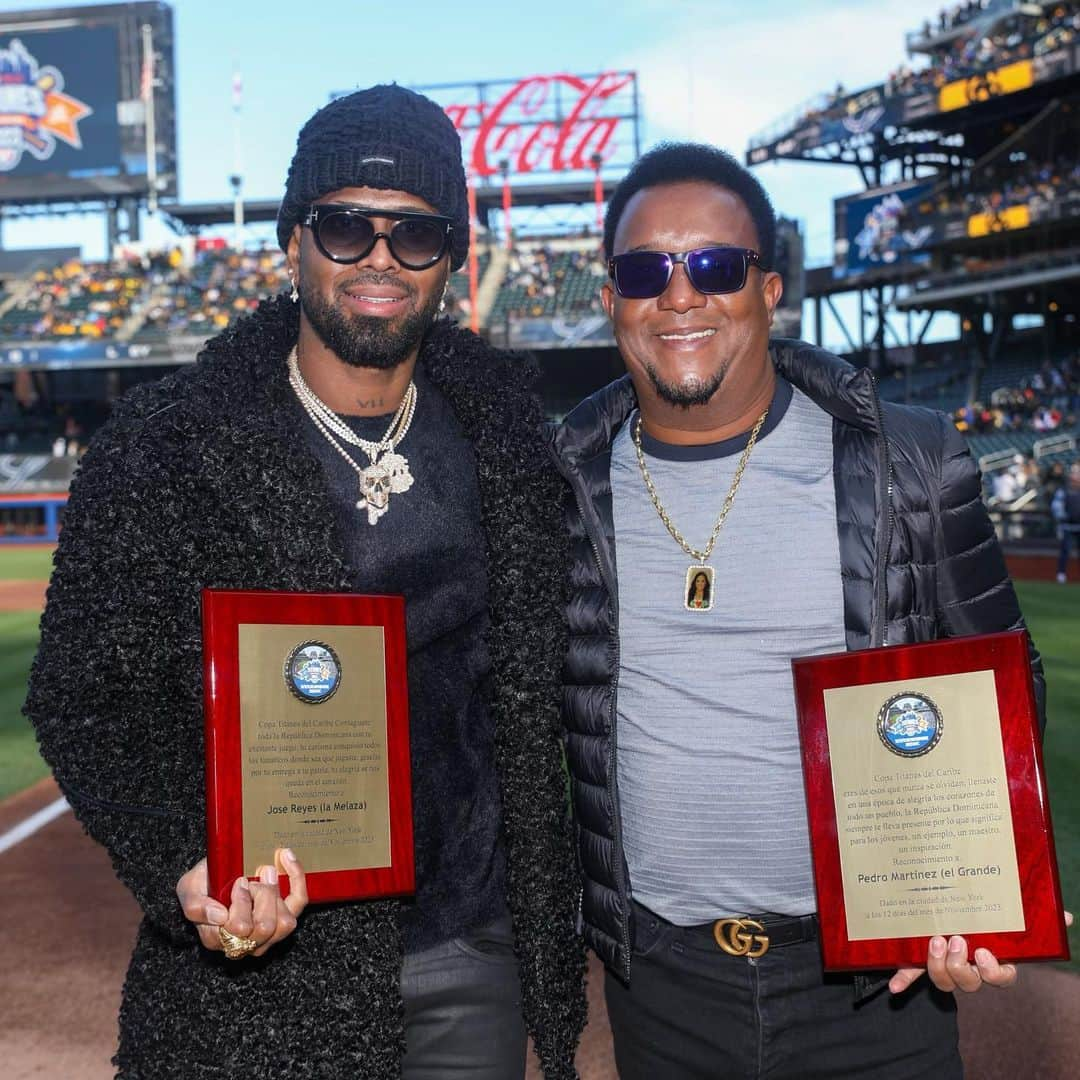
{"x": 524, "y": 125}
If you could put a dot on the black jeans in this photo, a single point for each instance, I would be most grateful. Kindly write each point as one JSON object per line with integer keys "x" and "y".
{"x": 694, "y": 1013}
{"x": 463, "y": 1009}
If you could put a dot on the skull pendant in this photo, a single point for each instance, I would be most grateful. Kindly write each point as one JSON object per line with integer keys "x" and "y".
{"x": 387, "y": 476}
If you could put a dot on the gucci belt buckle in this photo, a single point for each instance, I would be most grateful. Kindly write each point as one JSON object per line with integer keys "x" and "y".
{"x": 736, "y": 937}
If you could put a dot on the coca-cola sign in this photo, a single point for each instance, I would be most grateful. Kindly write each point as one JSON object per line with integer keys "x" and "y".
{"x": 544, "y": 123}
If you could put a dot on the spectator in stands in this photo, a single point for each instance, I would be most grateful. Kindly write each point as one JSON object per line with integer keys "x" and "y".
{"x": 1009, "y": 483}
{"x": 1065, "y": 507}
{"x": 1015, "y": 35}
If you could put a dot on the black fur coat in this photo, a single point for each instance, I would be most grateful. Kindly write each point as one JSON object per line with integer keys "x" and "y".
{"x": 202, "y": 479}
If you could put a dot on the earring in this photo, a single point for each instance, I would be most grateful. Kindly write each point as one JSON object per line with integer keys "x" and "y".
{"x": 442, "y": 302}
{"x": 294, "y": 295}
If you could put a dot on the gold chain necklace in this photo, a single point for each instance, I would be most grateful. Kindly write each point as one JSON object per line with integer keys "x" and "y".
{"x": 698, "y": 585}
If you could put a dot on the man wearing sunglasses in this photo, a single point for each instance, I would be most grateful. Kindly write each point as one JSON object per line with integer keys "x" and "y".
{"x": 737, "y": 502}
{"x": 342, "y": 438}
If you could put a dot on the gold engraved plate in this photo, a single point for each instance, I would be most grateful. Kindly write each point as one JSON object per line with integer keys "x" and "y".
{"x": 922, "y": 808}
{"x": 314, "y": 778}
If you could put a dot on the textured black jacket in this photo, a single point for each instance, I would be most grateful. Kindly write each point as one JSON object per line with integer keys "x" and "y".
{"x": 202, "y": 480}
{"x": 919, "y": 561}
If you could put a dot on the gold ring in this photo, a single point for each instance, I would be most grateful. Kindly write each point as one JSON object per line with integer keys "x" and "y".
{"x": 236, "y": 947}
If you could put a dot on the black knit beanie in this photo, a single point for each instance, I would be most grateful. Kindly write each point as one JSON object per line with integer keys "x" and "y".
{"x": 385, "y": 137}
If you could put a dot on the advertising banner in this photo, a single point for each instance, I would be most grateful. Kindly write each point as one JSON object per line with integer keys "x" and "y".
{"x": 58, "y": 102}
{"x": 871, "y": 231}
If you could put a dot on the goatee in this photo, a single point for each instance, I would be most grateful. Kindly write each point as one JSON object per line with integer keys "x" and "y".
{"x": 694, "y": 391}
{"x": 368, "y": 340}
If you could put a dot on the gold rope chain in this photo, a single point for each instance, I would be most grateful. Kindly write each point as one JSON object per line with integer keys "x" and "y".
{"x": 701, "y": 556}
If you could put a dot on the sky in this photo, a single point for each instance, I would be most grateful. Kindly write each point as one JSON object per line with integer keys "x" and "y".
{"x": 710, "y": 70}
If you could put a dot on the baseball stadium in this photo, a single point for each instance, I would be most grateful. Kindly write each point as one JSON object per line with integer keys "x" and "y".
{"x": 938, "y": 248}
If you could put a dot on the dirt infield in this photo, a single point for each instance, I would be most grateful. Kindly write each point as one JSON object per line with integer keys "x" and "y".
{"x": 70, "y": 928}
{"x": 22, "y": 595}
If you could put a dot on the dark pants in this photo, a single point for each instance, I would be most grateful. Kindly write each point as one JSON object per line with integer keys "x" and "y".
{"x": 694, "y": 1013}
{"x": 463, "y": 1009}
{"x": 1070, "y": 537}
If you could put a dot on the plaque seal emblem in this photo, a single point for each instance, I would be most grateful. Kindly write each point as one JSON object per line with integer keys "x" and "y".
{"x": 909, "y": 724}
{"x": 312, "y": 672}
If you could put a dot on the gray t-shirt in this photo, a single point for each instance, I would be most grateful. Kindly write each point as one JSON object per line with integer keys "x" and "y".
{"x": 709, "y": 770}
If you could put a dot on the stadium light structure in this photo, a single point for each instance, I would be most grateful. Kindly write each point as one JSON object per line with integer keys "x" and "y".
{"x": 236, "y": 180}
{"x": 147, "y": 92}
{"x": 598, "y": 190}
{"x": 507, "y": 200}
{"x": 474, "y": 272}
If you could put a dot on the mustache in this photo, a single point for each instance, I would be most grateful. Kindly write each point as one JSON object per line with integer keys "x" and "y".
{"x": 377, "y": 279}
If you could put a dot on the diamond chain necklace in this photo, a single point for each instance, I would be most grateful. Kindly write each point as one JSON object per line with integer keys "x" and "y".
{"x": 388, "y": 473}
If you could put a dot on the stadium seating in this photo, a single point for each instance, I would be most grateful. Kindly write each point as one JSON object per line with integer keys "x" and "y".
{"x": 220, "y": 286}
{"x": 151, "y": 304}
{"x": 162, "y": 299}
{"x": 943, "y": 388}
{"x": 77, "y": 299}
{"x": 542, "y": 282}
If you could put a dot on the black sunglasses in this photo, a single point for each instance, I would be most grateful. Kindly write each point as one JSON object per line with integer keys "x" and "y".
{"x": 640, "y": 275}
{"x": 346, "y": 234}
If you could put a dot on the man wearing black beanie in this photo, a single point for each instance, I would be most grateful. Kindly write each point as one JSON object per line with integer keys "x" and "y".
{"x": 342, "y": 438}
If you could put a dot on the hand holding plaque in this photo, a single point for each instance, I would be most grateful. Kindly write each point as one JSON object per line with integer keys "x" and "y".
{"x": 927, "y": 802}
{"x": 307, "y": 740}
{"x": 257, "y": 916}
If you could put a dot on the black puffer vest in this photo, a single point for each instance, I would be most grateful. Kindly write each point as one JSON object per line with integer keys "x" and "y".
{"x": 918, "y": 555}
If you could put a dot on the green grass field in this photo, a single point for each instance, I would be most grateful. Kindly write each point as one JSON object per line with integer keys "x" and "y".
{"x": 19, "y": 761}
{"x": 1052, "y": 611}
{"x": 25, "y": 563}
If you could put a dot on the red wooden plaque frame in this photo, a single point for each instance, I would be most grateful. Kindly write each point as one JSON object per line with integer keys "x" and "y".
{"x": 223, "y": 612}
{"x": 1006, "y": 654}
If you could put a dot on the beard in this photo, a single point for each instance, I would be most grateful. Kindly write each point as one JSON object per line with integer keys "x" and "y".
{"x": 693, "y": 391}
{"x": 367, "y": 340}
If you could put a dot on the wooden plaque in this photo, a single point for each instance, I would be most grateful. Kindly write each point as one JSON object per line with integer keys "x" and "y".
{"x": 307, "y": 740}
{"x": 927, "y": 802}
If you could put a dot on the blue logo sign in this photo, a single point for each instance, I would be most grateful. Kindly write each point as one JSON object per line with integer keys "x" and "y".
{"x": 909, "y": 724}
{"x": 313, "y": 672}
{"x": 34, "y": 110}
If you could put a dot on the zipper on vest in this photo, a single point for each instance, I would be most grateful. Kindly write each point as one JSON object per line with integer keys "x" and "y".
{"x": 885, "y": 493}
{"x": 618, "y": 858}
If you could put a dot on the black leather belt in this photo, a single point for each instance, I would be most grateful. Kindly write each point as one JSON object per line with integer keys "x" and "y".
{"x": 749, "y": 935}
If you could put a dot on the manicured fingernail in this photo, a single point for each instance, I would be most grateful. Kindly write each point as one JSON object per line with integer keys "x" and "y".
{"x": 216, "y": 915}
{"x": 287, "y": 855}
{"x": 242, "y": 883}
{"x": 937, "y": 946}
{"x": 268, "y": 876}
{"x": 982, "y": 956}
{"x": 956, "y": 944}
